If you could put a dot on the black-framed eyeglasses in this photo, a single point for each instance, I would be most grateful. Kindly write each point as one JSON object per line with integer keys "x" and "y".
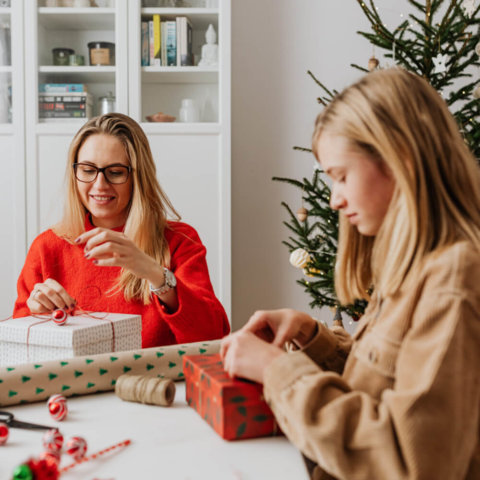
{"x": 116, "y": 174}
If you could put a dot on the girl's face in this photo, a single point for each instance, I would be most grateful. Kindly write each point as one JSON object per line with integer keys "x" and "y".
{"x": 107, "y": 202}
{"x": 362, "y": 188}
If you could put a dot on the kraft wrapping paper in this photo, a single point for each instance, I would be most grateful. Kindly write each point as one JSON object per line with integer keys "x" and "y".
{"x": 35, "y": 382}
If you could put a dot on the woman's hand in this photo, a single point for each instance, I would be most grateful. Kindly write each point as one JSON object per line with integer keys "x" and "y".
{"x": 108, "y": 248}
{"x": 48, "y": 296}
{"x": 246, "y": 355}
{"x": 280, "y": 326}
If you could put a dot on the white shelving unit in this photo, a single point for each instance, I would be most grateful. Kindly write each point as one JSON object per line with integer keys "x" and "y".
{"x": 193, "y": 159}
{"x": 13, "y": 239}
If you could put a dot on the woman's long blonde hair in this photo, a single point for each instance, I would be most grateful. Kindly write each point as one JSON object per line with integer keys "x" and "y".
{"x": 397, "y": 118}
{"x": 149, "y": 205}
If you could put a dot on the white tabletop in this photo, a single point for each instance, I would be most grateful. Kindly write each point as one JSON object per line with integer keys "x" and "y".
{"x": 167, "y": 443}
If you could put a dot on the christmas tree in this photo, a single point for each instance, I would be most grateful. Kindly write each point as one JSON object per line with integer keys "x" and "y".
{"x": 439, "y": 41}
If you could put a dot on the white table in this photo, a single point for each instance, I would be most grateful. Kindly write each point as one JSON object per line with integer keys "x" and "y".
{"x": 167, "y": 443}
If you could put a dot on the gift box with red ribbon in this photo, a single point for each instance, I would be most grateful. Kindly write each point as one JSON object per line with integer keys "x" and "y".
{"x": 234, "y": 407}
{"x": 39, "y": 338}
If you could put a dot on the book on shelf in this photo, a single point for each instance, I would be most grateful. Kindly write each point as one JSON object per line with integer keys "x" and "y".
{"x": 171, "y": 40}
{"x": 65, "y": 97}
{"x": 157, "y": 40}
{"x": 61, "y": 87}
{"x": 65, "y": 115}
{"x": 145, "y": 52}
{"x": 184, "y": 41}
{"x": 151, "y": 44}
{"x": 75, "y": 120}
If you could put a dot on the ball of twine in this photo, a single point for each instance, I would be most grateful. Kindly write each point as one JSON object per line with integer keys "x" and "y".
{"x": 145, "y": 389}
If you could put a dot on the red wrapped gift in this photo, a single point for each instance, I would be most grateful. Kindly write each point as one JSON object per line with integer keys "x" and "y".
{"x": 235, "y": 408}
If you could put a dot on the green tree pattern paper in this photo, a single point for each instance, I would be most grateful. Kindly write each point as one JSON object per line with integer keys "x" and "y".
{"x": 95, "y": 373}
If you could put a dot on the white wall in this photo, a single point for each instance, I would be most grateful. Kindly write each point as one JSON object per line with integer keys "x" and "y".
{"x": 274, "y": 105}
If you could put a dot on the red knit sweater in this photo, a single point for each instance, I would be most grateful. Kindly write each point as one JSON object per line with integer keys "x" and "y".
{"x": 200, "y": 316}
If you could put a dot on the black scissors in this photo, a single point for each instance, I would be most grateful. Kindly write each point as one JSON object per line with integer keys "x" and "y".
{"x": 9, "y": 419}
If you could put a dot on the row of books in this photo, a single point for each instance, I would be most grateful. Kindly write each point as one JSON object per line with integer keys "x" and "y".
{"x": 166, "y": 42}
{"x": 64, "y": 105}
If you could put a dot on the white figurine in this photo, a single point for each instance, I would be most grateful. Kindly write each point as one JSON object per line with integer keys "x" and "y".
{"x": 210, "y": 49}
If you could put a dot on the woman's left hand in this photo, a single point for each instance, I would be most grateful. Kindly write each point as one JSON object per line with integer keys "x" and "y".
{"x": 108, "y": 248}
{"x": 246, "y": 355}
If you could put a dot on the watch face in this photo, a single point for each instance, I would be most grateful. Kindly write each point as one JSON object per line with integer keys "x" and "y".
{"x": 170, "y": 279}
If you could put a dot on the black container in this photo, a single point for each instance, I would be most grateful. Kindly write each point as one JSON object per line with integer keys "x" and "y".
{"x": 101, "y": 53}
{"x": 60, "y": 55}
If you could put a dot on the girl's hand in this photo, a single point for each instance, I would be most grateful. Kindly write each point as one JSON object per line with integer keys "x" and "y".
{"x": 280, "y": 326}
{"x": 246, "y": 355}
{"x": 48, "y": 296}
{"x": 108, "y": 248}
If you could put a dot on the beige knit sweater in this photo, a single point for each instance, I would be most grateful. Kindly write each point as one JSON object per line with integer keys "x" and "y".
{"x": 405, "y": 402}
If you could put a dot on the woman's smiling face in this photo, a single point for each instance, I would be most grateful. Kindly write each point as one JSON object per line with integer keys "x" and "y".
{"x": 107, "y": 203}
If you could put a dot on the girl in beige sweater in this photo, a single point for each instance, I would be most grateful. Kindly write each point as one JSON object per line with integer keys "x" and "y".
{"x": 401, "y": 398}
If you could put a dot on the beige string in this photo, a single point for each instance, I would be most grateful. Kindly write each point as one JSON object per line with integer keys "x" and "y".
{"x": 145, "y": 389}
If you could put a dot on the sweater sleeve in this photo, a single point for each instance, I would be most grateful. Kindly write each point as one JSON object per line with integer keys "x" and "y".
{"x": 32, "y": 273}
{"x": 425, "y": 427}
{"x": 329, "y": 348}
{"x": 200, "y": 315}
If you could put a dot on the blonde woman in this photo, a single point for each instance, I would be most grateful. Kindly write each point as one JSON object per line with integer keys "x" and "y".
{"x": 401, "y": 399}
{"x": 115, "y": 250}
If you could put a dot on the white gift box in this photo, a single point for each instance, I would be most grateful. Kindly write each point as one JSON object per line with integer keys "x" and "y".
{"x": 81, "y": 335}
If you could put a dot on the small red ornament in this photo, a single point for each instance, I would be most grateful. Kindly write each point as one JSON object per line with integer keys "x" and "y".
{"x": 3, "y": 433}
{"x": 59, "y": 317}
{"x": 50, "y": 456}
{"x": 57, "y": 406}
{"x": 76, "y": 447}
{"x": 52, "y": 441}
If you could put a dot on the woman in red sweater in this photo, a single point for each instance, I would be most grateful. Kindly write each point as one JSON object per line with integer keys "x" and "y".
{"x": 114, "y": 250}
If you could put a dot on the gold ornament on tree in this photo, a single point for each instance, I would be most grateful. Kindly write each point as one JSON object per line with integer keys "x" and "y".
{"x": 373, "y": 63}
{"x": 302, "y": 214}
{"x": 476, "y": 92}
{"x": 312, "y": 272}
{"x": 299, "y": 258}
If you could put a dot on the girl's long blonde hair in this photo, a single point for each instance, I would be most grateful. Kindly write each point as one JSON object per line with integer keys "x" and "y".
{"x": 149, "y": 205}
{"x": 397, "y": 118}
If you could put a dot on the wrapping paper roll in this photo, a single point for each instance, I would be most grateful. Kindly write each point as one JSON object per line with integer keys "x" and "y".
{"x": 35, "y": 382}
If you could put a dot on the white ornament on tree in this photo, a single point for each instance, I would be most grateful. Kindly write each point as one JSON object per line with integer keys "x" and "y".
{"x": 299, "y": 258}
{"x": 210, "y": 49}
{"x": 477, "y": 49}
{"x": 476, "y": 93}
{"x": 469, "y": 7}
{"x": 440, "y": 62}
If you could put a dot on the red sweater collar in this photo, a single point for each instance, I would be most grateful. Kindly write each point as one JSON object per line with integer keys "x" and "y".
{"x": 90, "y": 226}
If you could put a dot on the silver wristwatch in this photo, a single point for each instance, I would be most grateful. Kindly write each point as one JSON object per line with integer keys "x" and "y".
{"x": 169, "y": 283}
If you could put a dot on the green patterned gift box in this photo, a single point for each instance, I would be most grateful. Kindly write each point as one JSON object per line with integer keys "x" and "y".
{"x": 34, "y": 382}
